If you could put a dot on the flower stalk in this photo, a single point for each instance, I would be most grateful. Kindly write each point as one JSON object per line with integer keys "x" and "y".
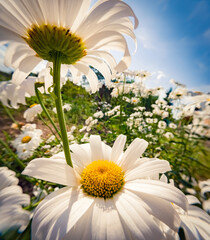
{"x": 38, "y": 95}
{"x": 58, "y": 104}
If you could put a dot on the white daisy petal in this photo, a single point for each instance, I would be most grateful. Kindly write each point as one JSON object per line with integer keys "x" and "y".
{"x": 159, "y": 189}
{"x": 8, "y": 35}
{"x": 140, "y": 224}
{"x": 13, "y": 216}
{"x": 152, "y": 167}
{"x": 192, "y": 199}
{"x": 63, "y": 214}
{"x": 100, "y": 65}
{"x": 96, "y": 148}
{"x": 91, "y": 76}
{"x": 13, "y": 196}
{"x": 29, "y": 63}
{"x": 155, "y": 206}
{"x": 84, "y": 221}
{"x": 133, "y": 152}
{"x": 99, "y": 224}
{"x": 114, "y": 225}
{"x": 118, "y": 147}
{"x": 81, "y": 154}
{"x": 57, "y": 171}
{"x": 18, "y": 76}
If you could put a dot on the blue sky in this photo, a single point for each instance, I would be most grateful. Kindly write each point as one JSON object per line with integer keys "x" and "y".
{"x": 174, "y": 41}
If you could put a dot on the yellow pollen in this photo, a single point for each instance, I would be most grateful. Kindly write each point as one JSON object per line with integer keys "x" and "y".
{"x": 102, "y": 178}
{"x": 26, "y": 139}
{"x": 49, "y": 40}
{"x": 33, "y": 105}
{"x": 208, "y": 100}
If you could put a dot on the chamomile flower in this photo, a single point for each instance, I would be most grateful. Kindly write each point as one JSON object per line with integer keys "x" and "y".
{"x": 110, "y": 194}
{"x": 81, "y": 35}
{"x": 32, "y": 112}
{"x": 27, "y": 142}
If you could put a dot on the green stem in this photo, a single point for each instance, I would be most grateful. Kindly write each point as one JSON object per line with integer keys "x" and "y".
{"x": 48, "y": 126}
{"x": 58, "y": 104}
{"x": 21, "y": 164}
{"x": 9, "y": 114}
{"x": 38, "y": 95}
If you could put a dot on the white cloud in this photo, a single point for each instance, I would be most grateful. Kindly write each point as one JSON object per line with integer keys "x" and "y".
{"x": 160, "y": 74}
{"x": 207, "y": 34}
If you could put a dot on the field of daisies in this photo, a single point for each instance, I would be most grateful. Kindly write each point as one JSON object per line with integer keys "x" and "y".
{"x": 87, "y": 151}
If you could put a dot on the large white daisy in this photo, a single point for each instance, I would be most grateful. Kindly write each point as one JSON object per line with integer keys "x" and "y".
{"x": 81, "y": 35}
{"x": 109, "y": 194}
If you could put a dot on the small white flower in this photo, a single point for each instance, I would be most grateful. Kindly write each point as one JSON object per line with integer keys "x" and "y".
{"x": 134, "y": 100}
{"x": 32, "y": 112}
{"x": 172, "y": 125}
{"x": 87, "y": 121}
{"x": 169, "y": 135}
{"x": 27, "y": 142}
{"x": 98, "y": 114}
{"x": 162, "y": 125}
{"x": 50, "y": 139}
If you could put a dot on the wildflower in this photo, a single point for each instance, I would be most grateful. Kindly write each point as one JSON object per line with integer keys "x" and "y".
{"x": 162, "y": 124}
{"x": 109, "y": 194}
{"x": 134, "y": 100}
{"x": 98, "y": 114}
{"x": 32, "y": 112}
{"x": 27, "y": 142}
{"x": 169, "y": 135}
{"x": 172, "y": 125}
{"x": 80, "y": 35}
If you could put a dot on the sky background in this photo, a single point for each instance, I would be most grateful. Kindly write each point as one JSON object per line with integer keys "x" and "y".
{"x": 173, "y": 42}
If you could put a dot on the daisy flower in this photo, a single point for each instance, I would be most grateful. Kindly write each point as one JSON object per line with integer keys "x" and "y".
{"x": 32, "y": 112}
{"x": 11, "y": 200}
{"x": 12, "y": 94}
{"x": 195, "y": 222}
{"x": 27, "y": 142}
{"x": 81, "y": 35}
{"x": 109, "y": 194}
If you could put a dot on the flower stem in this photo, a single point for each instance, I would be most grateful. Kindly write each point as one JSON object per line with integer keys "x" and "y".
{"x": 48, "y": 126}
{"x": 10, "y": 115}
{"x": 58, "y": 104}
{"x": 38, "y": 95}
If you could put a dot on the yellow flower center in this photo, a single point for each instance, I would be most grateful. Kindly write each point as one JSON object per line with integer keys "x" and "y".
{"x": 47, "y": 41}
{"x": 102, "y": 178}
{"x": 33, "y": 105}
{"x": 26, "y": 139}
